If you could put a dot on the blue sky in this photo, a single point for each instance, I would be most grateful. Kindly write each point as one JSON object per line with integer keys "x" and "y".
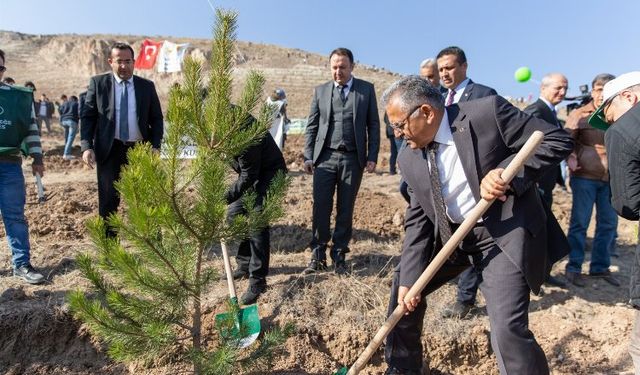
{"x": 579, "y": 39}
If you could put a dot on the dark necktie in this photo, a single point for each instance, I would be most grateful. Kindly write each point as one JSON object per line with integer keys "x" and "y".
{"x": 343, "y": 97}
{"x": 124, "y": 113}
{"x": 452, "y": 93}
{"x": 555, "y": 116}
{"x": 444, "y": 229}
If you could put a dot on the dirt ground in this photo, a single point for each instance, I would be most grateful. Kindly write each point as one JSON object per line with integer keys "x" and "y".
{"x": 582, "y": 330}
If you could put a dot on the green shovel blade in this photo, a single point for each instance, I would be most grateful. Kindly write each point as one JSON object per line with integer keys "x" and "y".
{"x": 342, "y": 371}
{"x": 241, "y": 326}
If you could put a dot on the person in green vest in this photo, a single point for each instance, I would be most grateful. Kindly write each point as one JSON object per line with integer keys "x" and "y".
{"x": 18, "y": 130}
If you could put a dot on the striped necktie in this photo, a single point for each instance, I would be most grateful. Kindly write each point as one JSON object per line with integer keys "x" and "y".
{"x": 452, "y": 93}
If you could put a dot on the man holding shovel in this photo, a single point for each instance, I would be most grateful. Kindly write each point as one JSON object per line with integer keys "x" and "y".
{"x": 17, "y": 125}
{"x": 455, "y": 159}
{"x": 256, "y": 167}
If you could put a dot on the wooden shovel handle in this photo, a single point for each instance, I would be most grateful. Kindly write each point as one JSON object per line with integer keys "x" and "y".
{"x": 476, "y": 213}
{"x": 228, "y": 271}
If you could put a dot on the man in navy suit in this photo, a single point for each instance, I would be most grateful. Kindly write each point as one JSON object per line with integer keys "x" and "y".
{"x": 120, "y": 110}
{"x": 456, "y": 156}
{"x": 452, "y": 64}
{"x": 341, "y": 141}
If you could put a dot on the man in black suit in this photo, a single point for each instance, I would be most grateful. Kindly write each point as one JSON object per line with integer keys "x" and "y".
{"x": 452, "y": 63}
{"x": 452, "y": 66}
{"x": 256, "y": 167}
{"x": 553, "y": 89}
{"x": 462, "y": 150}
{"x": 342, "y": 139}
{"x": 620, "y": 109}
{"x": 120, "y": 110}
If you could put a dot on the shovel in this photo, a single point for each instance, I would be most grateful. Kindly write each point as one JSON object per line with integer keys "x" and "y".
{"x": 40, "y": 189}
{"x": 481, "y": 207}
{"x": 240, "y": 325}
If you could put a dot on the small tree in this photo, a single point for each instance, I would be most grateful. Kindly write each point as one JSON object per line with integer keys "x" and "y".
{"x": 149, "y": 283}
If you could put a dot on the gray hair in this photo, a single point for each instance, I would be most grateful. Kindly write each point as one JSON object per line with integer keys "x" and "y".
{"x": 428, "y": 62}
{"x": 546, "y": 80}
{"x": 413, "y": 91}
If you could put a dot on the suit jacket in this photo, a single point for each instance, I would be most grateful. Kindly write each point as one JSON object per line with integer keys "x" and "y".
{"x": 541, "y": 110}
{"x": 50, "y": 108}
{"x": 365, "y": 121}
{"x": 487, "y": 133}
{"x": 256, "y": 167}
{"x": 622, "y": 140}
{"x": 476, "y": 91}
{"x": 97, "y": 126}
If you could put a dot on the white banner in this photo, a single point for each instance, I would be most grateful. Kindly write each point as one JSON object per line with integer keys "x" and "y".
{"x": 171, "y": 56}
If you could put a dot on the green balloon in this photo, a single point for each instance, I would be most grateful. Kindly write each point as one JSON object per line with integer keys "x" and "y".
{"x": 522, "y": 74}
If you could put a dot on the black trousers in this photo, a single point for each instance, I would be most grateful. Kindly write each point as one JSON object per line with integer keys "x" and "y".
{"x": 507, "y": 295}
{"x": 469, "y": 281}
{"x": 108, "y": 173}
{"x": 336, "y": 172}
{"x": 253, "y": 252}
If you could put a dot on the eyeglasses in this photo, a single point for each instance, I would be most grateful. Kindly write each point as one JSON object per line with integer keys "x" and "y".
{"x": 2, "y": 68}
{"x": 400, "y": 125}
{"x": 598, "y": 119}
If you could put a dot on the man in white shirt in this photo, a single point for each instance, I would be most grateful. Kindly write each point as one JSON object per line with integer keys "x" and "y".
{"x": 446, "y": 161}
{"x": 452, "y": 63}
{"x": 120, "y": 109}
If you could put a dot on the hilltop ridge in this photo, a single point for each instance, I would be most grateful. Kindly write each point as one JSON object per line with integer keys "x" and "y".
{"x": 63, "y": 63}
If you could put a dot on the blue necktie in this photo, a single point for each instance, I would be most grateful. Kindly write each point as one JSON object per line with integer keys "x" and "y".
{"x": 124, "y": 113}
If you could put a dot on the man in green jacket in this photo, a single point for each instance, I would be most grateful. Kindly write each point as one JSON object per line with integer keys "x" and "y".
{"x": 17, "y": 128}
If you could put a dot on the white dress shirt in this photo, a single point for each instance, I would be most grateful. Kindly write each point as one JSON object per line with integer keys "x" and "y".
{"x": 346, "y": 87}
{"x": 459, "y": 91}
{"x": 134, "y": 131}
{"x": 457, "y": 194}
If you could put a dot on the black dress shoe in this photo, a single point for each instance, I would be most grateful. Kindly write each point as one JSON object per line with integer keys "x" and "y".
{"x": 251, "y": 295}
{"x": 458, "y": 311}
{"x": 554, "y": 281}
{"x": 606, "y": 276}
{"x": 240, "y": 274}
{"x": 398, "y": 371}
{"x": 315, "y": 266}
{"x": 575, "y": 278}
{"x": 341, "y": 267}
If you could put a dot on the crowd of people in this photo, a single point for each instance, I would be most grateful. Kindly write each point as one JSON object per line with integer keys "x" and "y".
{"x": 450, "y": 138}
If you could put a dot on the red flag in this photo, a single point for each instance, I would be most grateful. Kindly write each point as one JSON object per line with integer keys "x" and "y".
{"x": 148, "y": 53}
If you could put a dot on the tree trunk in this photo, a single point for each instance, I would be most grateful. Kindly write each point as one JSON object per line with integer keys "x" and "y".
{"x": 196, "y": 335}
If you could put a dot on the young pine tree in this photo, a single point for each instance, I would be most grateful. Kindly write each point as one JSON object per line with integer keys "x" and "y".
{"x": 149, "y": 283}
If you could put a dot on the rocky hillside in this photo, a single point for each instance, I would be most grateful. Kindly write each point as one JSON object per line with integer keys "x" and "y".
{"x": 63, "y": 64}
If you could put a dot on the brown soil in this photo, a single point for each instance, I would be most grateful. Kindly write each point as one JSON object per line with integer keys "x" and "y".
{"x": 582, "y": 330}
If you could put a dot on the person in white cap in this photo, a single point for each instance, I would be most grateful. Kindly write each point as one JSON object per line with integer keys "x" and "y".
{"x": 619, "y": 115}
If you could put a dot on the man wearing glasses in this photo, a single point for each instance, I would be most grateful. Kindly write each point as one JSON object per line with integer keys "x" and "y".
{"x": 622, "y": 140}
{"x": 455, "y": 158}
{"x": 120, "y": 110}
